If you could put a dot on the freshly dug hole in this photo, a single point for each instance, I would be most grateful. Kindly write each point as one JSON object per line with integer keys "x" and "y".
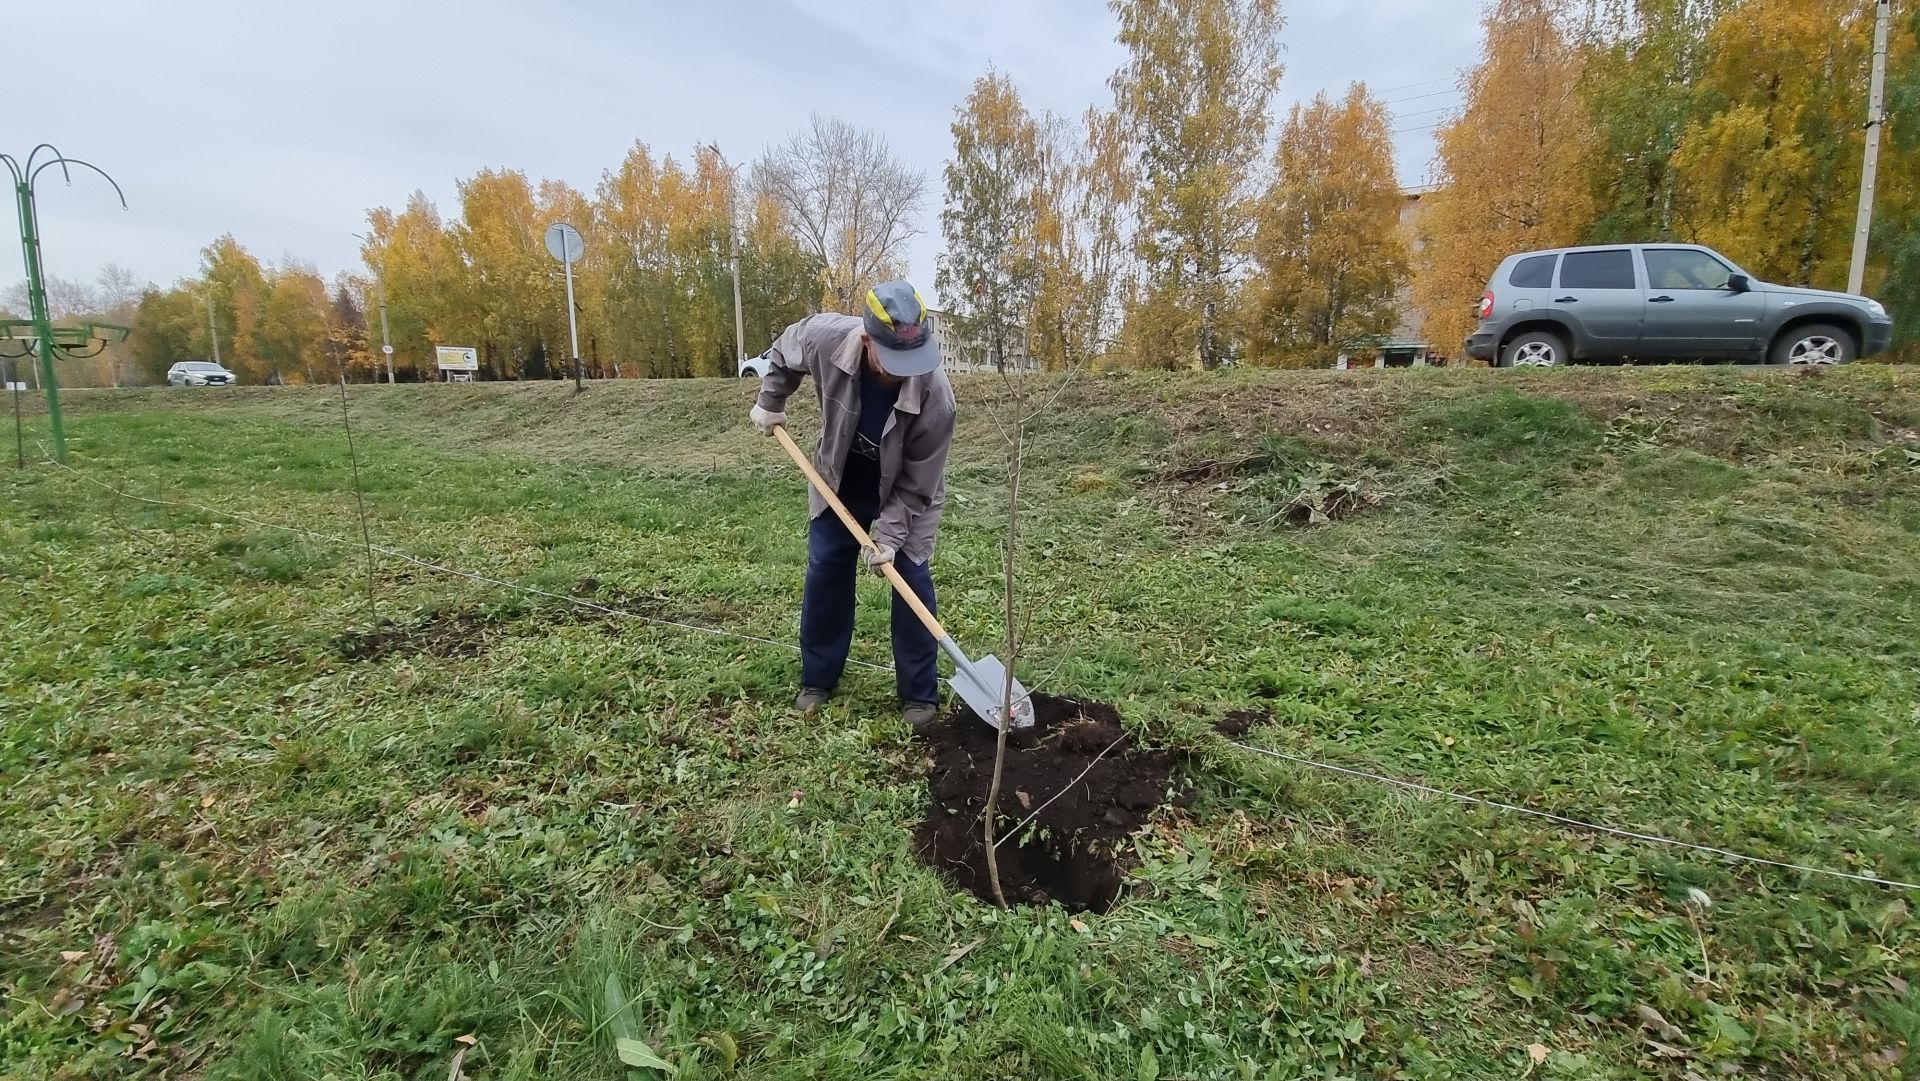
{"x": 1075, "y": 850}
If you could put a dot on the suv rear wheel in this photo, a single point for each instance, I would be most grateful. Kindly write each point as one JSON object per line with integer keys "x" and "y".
{"x": 1535, "y": 349}
{"x": 1815, "y": 343}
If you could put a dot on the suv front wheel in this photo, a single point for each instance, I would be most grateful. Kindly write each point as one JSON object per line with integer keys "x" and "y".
{"x": 1535, "y": 349}
{"x": 1815, "y": 343}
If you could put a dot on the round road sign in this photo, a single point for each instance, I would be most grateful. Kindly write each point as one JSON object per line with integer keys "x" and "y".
{"x": 564, "y": 242}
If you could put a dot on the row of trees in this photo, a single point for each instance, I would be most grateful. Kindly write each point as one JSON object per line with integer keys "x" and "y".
{"x": 1168, "y": 230}
{"x": 812, "y": 221}
{"x": 111, "y": 297}
{"x": 1176, "y": 225}
{"x": 269, "y": 323}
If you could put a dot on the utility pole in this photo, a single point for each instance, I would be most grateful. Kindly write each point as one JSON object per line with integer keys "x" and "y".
{"x": 213, "y": 333}
{"x": 733, "y": 253}
{"x": 1876, "y": 119}
{"x": 733, "y": 250}
{"x": 386, "y": 340}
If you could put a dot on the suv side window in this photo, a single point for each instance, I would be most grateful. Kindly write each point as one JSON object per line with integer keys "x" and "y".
{"x": 1683, "y": 268}
{"x": 1597, "y": 270}
{"x": 1533, "y": 272}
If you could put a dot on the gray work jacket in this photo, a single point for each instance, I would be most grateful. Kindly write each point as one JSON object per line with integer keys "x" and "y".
{"x": 913, "y": 447}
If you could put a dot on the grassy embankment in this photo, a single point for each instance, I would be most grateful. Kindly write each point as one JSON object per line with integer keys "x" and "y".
{"x": 242, "y": 840}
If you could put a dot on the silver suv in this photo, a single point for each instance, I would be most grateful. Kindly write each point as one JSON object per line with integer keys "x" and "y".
{"x": 1661, "y": 302}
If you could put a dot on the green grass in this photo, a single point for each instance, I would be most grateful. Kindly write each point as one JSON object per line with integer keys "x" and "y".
{"x": 1679, "y": 600}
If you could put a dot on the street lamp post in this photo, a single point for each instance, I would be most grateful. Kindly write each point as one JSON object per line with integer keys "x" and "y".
{"x": 386, "y": 340}
{"x": 48, "y": 339}
{"x": 733, "y": 254}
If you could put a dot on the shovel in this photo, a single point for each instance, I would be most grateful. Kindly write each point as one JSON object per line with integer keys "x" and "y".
{"x": 980, "y": 684}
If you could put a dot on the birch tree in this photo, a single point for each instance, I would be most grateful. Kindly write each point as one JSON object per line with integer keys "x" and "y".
{"x": 1194, "y": 97}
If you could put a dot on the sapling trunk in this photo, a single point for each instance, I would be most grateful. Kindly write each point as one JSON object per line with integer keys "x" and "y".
{"x": 1013, "y": 653}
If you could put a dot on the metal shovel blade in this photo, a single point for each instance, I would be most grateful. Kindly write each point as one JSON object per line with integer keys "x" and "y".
{"x": 981, "y": 685}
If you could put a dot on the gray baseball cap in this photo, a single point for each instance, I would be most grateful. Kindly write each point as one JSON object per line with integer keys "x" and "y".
{"x": 899, "y": 330}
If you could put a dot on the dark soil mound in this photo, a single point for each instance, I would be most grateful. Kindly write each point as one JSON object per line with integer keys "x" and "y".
{"x": 1080, "y": 777}
{"x": 443, "y": 634}
{"x": 1240, "y": 721}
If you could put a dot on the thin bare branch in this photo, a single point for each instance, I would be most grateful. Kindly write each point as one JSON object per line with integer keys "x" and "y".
{"x": 1064, "y": 789}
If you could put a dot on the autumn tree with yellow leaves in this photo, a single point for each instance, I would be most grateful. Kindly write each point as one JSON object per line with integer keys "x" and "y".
{"x": 1167, "y": 229}
{"x": 1330, "y": 254}
{"x": 1770, "y": 178}
{"x": 1510, "y": 169}
{"x": 990, "y": 272}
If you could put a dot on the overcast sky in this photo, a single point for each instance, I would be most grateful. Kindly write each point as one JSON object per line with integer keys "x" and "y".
{"x": 282, "y": 123}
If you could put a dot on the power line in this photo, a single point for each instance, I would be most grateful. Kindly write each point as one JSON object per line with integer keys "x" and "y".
{"x": 1423, "y": 82}
{"x": 1417, "y": 97}
{"x": 1425, "y": 112}
{"x": 718, "y": 632}
{"x": 1575, "y": 822}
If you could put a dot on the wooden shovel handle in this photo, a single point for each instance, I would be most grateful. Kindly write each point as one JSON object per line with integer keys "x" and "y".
{"x": 899, "y": 584}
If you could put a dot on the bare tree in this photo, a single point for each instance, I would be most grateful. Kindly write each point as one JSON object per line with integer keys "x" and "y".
{"x": 117, "y": 288}
{"x": 847, "y": 200}
{"x": 66, "y": 298}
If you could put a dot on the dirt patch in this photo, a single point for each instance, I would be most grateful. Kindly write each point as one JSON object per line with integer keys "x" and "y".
{"x": 1210, "y": 470}
{"x": 1330, "y": 502}
{"x": 442, "y": 634}
{"x": 1074, "y": 849}
{"x": 1266, "y": 489}
{"x": 469, "y": 632}
{"x": 1239, "y": 722}
{"x": 614, "y": 604}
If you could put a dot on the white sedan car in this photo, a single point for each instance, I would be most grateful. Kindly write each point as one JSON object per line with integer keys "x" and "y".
{"x": 200, "y": 373}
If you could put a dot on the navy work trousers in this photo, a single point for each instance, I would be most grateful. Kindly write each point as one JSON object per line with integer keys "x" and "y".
{"x": 827, "y": 610}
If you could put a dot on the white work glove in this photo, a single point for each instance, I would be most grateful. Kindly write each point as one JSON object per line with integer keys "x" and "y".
{"x": 877, "y": 557}
{"x": 765, "y": 421}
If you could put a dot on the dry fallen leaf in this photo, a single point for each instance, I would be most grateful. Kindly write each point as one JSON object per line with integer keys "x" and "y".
{"x": 1537, "y": 1052}
{"x": 1653, "y": 1019}
{"x": 957, "y": 954}
{"x": 1665, "y": 1050}
{"x": 206, "y": 801}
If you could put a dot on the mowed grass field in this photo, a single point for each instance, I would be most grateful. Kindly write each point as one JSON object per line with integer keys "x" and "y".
{"x": 259, "y": 822}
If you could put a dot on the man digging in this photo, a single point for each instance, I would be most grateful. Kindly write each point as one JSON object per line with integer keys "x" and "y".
{"x": 886, "y": 421}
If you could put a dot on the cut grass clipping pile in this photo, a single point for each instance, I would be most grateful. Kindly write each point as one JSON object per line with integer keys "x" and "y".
{"x": 539, "y": 823}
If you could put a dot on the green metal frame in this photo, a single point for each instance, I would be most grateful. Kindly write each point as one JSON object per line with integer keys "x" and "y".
{"x": 49, "y": 340}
